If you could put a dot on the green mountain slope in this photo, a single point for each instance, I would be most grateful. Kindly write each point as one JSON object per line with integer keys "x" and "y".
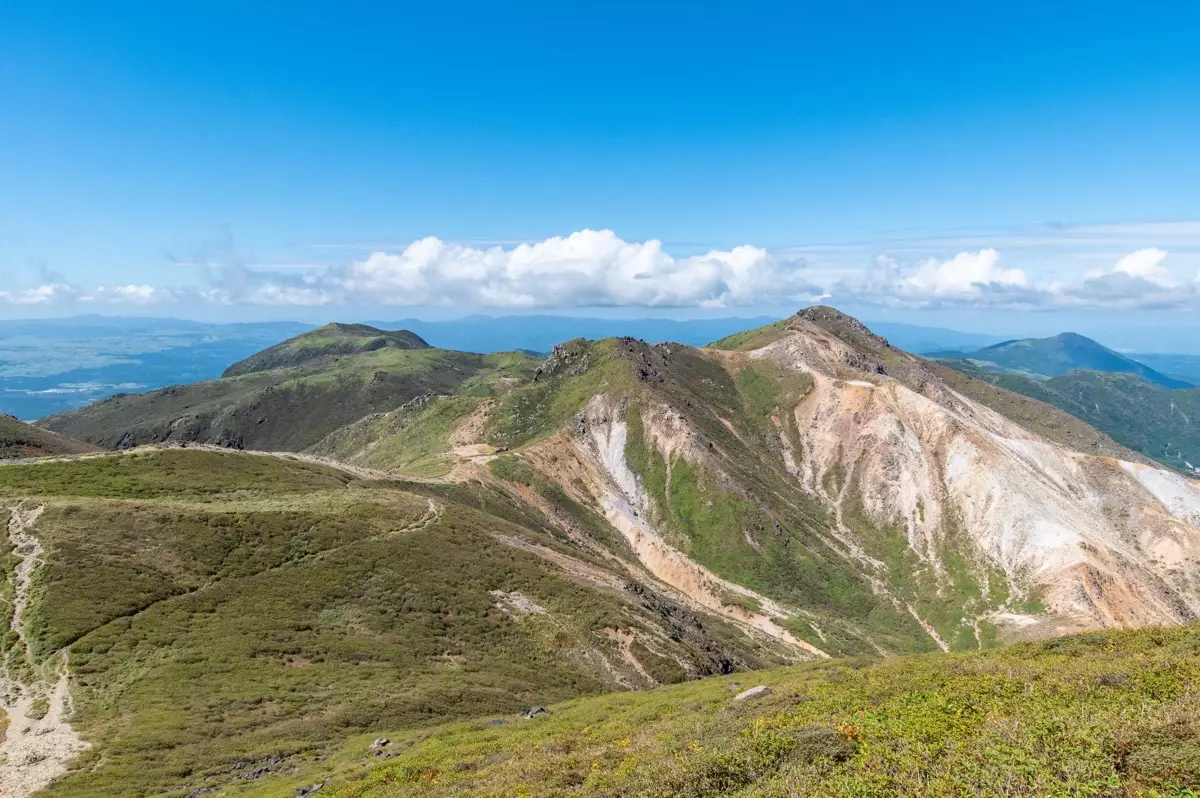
{"x": 1051, "y": 357}
{"x": 1157, "y": 422}
{"x": 1103, "y": 714}
{"x": 324, "y": 344}
{"x": 224, "y": 608}
{"x": 292, "y": 395}
{"x": 18, "y": 439}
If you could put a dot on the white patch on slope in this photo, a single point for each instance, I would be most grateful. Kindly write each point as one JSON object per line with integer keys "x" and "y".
{"x": 609, "y": 436}
{"x": 515, "y": 604}
{"x": 34, "y": 751}
{"x": 1180, "y": 495}
{"x": 625, "y": 509}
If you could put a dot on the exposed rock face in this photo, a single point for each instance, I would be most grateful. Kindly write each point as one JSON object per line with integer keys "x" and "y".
{"x": 570, "y": 359}
{"x": 1056, "y": 539}
{"x": 753, "y": 692}
{"x": 1111, "y": 543}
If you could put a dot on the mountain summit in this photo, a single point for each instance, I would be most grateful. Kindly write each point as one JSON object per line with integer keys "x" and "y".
{"x": 292, "y": 395}
{"x": 325, "y": 342}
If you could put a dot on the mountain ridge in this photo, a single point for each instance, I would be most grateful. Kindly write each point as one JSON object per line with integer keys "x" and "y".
{"x": 19, "y": 439}
{"x": 617, "y": 516}
{"x": 293, "y": 394}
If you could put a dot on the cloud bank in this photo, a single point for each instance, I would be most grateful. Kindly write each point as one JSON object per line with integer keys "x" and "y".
{"x": 597, "y": 268}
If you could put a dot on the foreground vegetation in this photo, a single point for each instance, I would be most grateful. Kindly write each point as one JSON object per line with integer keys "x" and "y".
{"x": 230, "y": 616}
{"x": 1101, "y": 714}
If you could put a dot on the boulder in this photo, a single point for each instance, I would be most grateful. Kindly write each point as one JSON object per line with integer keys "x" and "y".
{"x": 753, "y": 692}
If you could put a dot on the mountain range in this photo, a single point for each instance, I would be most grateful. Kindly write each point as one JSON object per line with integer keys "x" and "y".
{"x": 354, "y": 532}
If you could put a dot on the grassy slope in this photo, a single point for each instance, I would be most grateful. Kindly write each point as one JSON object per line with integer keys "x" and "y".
{"x": 225, "y": 608}
{"x": 411, "y": 440}
{"x": 414, "y": 439}
{"x": 1156, "y": 422}
{"x": 18, "y": 439}
{"x": 1103, "y": 714}
{"x": 284, "y": 409}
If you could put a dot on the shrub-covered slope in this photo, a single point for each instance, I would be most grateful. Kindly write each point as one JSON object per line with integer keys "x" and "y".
{"x": 1102, "y": 714}
{"x": 325, "y": 344}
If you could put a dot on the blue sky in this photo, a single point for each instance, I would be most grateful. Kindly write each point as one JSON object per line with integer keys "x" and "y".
{"x": 979, "y": 166}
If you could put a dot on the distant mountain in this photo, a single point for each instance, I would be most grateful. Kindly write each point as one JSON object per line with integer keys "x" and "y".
{"x": 292, "y": 395}
{"x": 1181, "y": 367}
{"x": 1050, "y": 357}
{"x": 18, "y": 439}
{"x": 324, "y": 342}
{"x": 919, "y": 340}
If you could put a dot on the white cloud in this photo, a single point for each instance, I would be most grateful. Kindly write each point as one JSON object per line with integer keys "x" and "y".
{"x": 597, "y": 268}
{"x": 45, "y": 294}
{"x": 967, "y": 274}
{"x": 964, "y": 279}
{"x": 1138, "y": 281}
{"x": 588, "y": 268}
{"x": 129, "y": 295}
{"x": 1147, "y": 264}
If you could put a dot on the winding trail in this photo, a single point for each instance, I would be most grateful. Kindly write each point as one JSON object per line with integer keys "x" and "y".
{"x": 35, "y": 749}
